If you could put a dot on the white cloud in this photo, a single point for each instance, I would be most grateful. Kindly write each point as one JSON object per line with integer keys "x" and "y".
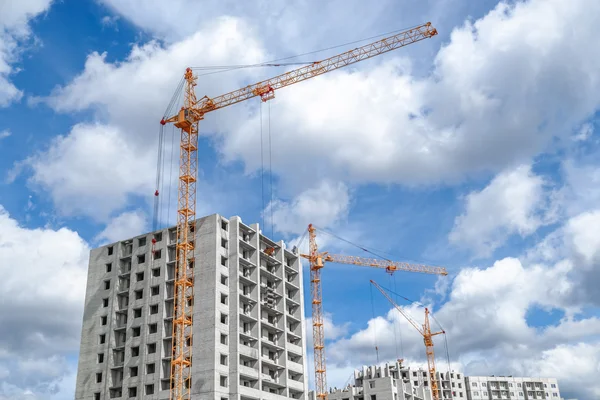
{"x": 486, "y": 319}
{"x": 124, "y": 226}
{"x": 97, "y": 168}
{"x": 584, "y": 240}
{"x": 488, "y": 310}
{"x": 297, "y": 25}
{"x": 584, "y": 133}
{"x": 44, "y": 276}
{"x": 4, "y": 134}
{"x": 514, "y": 202}
{"x": 110, "y": 21}
{"x": 14, "y": 31}
{"x": 92, "y": 171}
{"x": 323, "y": 206}
{"x": 576, "y": 363}
{"x": 575, "y": 243}
{"x": 582, "y": 185}
{"x": 385, "y": 125}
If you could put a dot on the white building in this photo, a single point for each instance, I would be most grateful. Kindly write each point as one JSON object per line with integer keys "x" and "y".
{"x": 398, "y": 382}
{"x": 508, "y": 387}
{"x": 248, "y": 341}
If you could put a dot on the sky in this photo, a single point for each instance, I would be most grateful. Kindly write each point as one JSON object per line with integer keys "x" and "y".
{"x": 476, "y": 150}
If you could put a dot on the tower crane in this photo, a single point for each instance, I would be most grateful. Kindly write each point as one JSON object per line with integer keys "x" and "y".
{"x": 425, "y": 331}
{"x": 317, "y": 260}
{"x": 187, "y": 120}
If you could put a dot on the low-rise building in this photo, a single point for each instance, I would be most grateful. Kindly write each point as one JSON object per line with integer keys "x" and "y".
{"x": 509, "y": 387}
{"x": 395, "y": 381}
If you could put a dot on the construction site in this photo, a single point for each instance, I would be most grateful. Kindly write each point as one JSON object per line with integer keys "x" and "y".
{"x": 209, "y": 307}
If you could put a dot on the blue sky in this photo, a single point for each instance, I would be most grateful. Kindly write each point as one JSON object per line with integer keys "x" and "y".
{"x": 495, "y": 178}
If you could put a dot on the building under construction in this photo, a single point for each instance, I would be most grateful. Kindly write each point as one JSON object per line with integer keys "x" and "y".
{"x": 248, "y": 335}
{"x": 395, "y": 381}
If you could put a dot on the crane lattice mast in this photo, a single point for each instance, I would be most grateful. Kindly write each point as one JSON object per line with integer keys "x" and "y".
{"x": 317, "y": 261}
{"x": 187, "y": 120}
{"x": 425, "y": 331}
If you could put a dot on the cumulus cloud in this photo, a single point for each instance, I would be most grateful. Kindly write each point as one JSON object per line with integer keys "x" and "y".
{"x": 384, "y": 124}
{"x": 15, "y": 18}
{"x": 98, "y": 167}
{"x": 110, "y": 21}
{"x": 388, "y": 125}
{"x": 485, "y": 319}
{"x": 123, "y": 226}
{"x": 43, "y": 290}
{"x": 322, "y": 205}
{"x": 92, "y": 171}
{"x": 487, "y": 315}
{"x": 515, "y": 202}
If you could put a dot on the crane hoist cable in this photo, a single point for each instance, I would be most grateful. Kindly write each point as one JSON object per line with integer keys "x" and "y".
{"x": 155, "y": 218}
{"x": 171, "y": 172}
{"x": 267, "y": 207}
{"x": 270, "y": 172}
{"x": 374, "y": 325}
{"x": 262, "y": 170}
{"x": 395, "y": 325}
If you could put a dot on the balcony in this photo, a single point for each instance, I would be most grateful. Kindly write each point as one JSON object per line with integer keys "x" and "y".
{"x": 293, "y": 317}
{"x": 248, "y": 352}
{"x": 250, "y": 392}
{"x": 246, "y": 278}
{"x": 126, "y": 249}
{"x": 246, "y": 243}
{"x": 248, "y": 372}
{"x": 296, "y": 366}
{"x": 271, "y": 344}
{"x": 292, "y": 283}
{"x": 268, "y": 258}
{"x": 274, "y": 382}
{"x": 269, "y": 271}
{"x": 273, "y": 363}
{"x": 293, "y": 299}
{"x": 247, "y": 316}
{"x": 293, "y": 348}
{"x": 295, "y": 385}
{"x": 124, "y": 267}
{"x": 246, "y": 262}
{"x": 293, "y": 335}
{"x": 246, "y": 297}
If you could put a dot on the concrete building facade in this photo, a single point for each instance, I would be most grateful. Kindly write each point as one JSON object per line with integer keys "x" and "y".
{"x": 248, "y": 334}
{"x": 395, "y": 381}
{"x": 508, "y": 387}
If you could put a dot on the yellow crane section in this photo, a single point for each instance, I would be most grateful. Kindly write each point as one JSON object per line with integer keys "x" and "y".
{"x": 187, "y": 120}
{"x": 317, "y": 261}
{"x": 425, "y": 331}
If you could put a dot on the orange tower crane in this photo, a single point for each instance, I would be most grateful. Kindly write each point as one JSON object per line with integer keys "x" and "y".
{"x": 425, "y": 331}
{"x": 317, "y": 261}
{"x": 187, "y": 120}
